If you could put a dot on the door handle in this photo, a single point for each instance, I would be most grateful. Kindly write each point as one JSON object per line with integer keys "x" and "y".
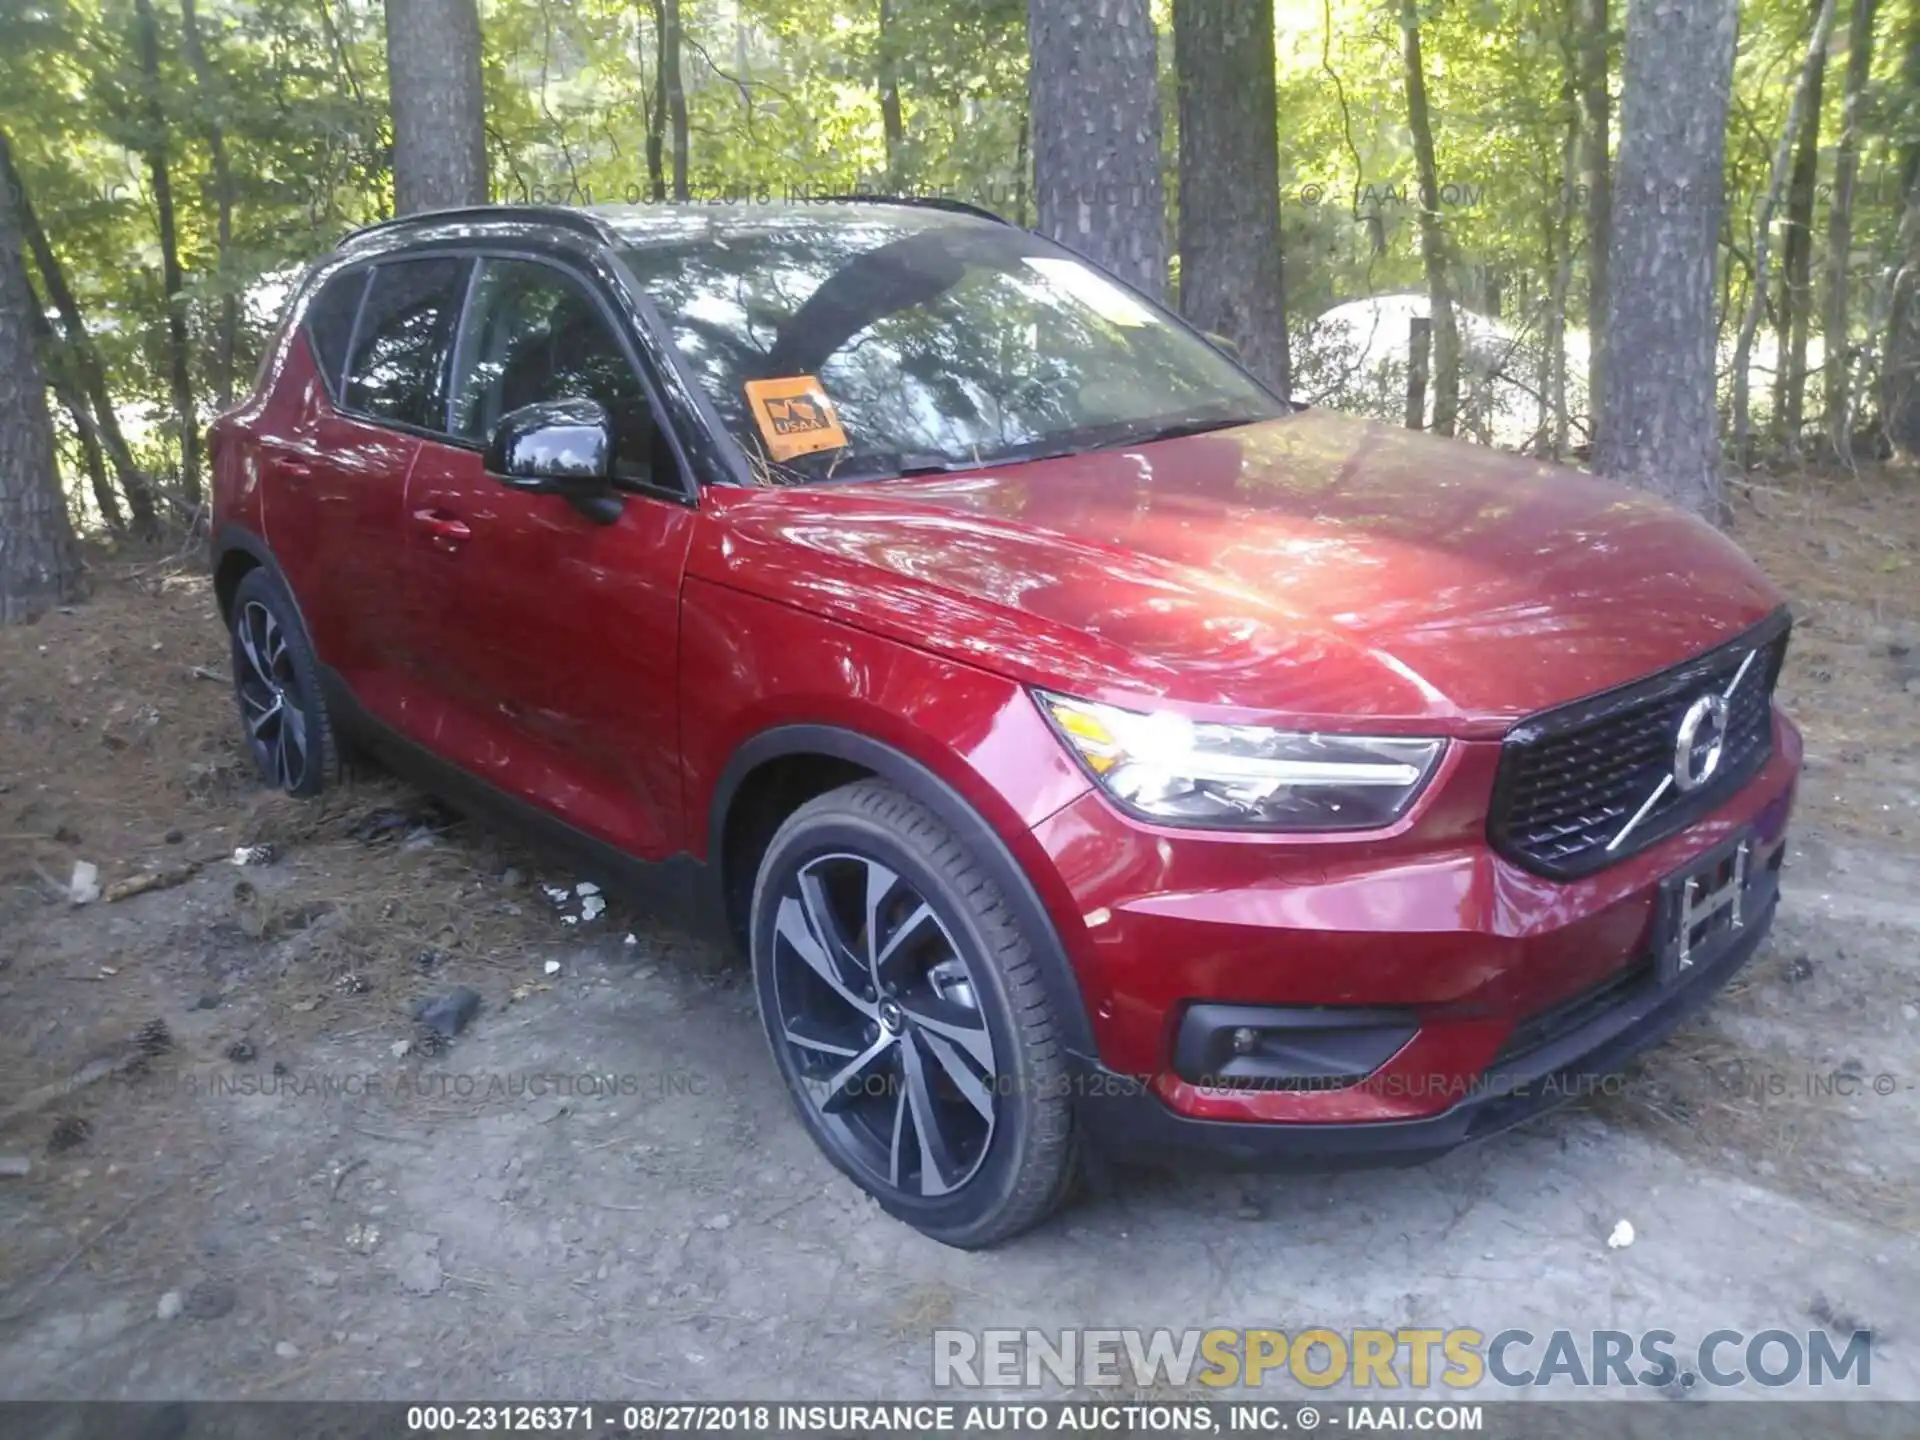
{"x": 447, "y": 531}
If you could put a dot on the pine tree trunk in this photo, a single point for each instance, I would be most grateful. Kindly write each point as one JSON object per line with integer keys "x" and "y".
{"x": 1095, "y": 99}
{"x": 1796, "y": 263}
{"x": 439, "y": 108}
{"x": 1559, "y": 237}
{"x": 1231, "y": 277}
{"x": 1661, "y": 427}
{"x": 91, "y": 375}
{"x": 1846, "y": 170}
{"x": 1433, "y": 236}
{"x": 39, "y": 560}
{"x": 657, "y": 108}
{"x": 892, "y": 121}
{"x": 676, "y": 93}
{"x": 1596, "y": 182}
{"x": 1810, "y": 70}
{"x": 1900, "y": 351}
{"x": 212, "y": 94}
{"x": 172, "y": 279}
{"x": 60, "y": 385}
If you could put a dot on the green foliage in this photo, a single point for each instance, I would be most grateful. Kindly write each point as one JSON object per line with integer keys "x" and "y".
{"x": 784, "y": 98}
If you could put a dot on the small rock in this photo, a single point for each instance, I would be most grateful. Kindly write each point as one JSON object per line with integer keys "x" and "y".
{"x": 241, "y": 1052}
{"x": 171, "y": 1304}
{"x": 210, "y": 1299}
{"x": 425, "y": 961}
{"x": 84, "y": 886}
{"x": 586, "y": 889}
{"x": 255, "y": 855}
{"x": 322, "y": 1278}
{"x": 1910, "y": 1012}
{"x": 418, "y": 1264}
{"x": 175, "y": 837}
{"x": 1799, "y": 969}
{"x": 512, "y": 877}
{"x": 15, "y": 1166}
{"x": 631, "y": 939}
{"x": 447, "y": 1015}
{"x": 1249, "y": 1211}
{"x": 552, "y": 967}
{"x": 591, "y": 906}
{"x": 722, "y": 1221}
{"x": 362, "y": 1238}
{"x": 401, "y": 1048}
{"x": 1622, "y": 1236}
{"x": 208, "y": 1001}
{"x": 69, "y": 1132}
{"x": 287, "y": 1350}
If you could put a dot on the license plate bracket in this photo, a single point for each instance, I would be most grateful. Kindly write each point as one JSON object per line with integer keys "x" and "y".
{"x": 1703, "y": 909}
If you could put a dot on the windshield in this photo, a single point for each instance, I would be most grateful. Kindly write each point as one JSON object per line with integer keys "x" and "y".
{"x": 850, "y": 349}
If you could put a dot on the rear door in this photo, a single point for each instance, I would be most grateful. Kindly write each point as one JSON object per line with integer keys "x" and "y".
{"x": 550, "y": 640}
{"x": 336, "y": 476}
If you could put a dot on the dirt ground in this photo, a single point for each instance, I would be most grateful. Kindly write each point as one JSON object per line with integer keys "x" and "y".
{"x": 598, "y": 1191}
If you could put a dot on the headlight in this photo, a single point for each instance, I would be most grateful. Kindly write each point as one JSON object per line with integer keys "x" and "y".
{"x": 1174, "y": 770}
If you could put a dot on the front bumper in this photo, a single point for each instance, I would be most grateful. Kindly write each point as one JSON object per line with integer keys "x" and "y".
{"x": 1125, "y": 1119}
{"x": 1509, "y": 990}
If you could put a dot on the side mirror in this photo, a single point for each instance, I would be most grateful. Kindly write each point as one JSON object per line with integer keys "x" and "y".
{"x": 557, "y": 447}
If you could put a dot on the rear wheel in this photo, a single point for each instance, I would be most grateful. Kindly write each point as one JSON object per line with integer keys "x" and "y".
{"x": 906, "y": 1014}
{"x": 276, "y": 682}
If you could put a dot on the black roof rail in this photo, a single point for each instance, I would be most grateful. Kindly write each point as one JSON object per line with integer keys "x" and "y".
{"x": 927, "y": 202}
{"x": 567, "y": 218}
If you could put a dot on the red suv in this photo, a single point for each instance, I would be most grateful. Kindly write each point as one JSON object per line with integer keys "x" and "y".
{"x": 1094, "y": 753}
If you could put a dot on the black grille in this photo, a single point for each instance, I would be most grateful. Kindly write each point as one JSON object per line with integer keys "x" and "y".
{"x": 1570, "y": 779}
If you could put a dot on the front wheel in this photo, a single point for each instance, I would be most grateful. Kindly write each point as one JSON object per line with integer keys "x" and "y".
{"x": 907, "y": 1017}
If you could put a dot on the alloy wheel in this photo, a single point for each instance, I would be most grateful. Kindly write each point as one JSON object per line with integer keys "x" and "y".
{"x": 270, "y": 696}
{"x": 880, "y": 1013}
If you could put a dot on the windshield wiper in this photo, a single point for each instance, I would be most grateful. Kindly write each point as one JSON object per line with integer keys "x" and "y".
{"x": 1179, "y": 430}
{"x": 913, "y": 462}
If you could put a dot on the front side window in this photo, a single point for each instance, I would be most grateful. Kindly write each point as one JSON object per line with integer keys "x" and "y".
{"x": 399, "y": 363}
{"x": 534, "y": 333}
{"x": 925, "y": 342}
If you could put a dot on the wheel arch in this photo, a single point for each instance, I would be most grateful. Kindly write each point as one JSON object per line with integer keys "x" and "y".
{"x": 828, "y": 756}
{"x": 237, "y": 553}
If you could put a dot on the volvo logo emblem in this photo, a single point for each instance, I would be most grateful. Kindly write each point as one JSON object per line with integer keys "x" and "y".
{"x": 1700, "y": 743}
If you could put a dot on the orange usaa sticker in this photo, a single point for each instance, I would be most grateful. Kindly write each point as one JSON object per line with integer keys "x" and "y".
{"x": 795, "y": 416}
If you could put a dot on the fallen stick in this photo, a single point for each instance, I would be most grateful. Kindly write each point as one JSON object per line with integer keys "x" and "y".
{"x": 121, "y": 1058}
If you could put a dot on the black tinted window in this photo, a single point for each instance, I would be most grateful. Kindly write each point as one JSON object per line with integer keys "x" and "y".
{"x": 398, "y": 371}
{"x": 534, "y": 333}
{"x": 330, "y": 322}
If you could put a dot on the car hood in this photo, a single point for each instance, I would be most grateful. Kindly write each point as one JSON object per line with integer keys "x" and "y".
{"x": 1315, "y": 566}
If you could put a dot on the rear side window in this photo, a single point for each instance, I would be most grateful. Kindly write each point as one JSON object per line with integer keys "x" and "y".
{"x": 399, "y": 364}
{"x": 330, "y": 322}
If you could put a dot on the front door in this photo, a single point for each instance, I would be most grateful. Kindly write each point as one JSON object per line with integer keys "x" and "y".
{"x": 549, "y": 639}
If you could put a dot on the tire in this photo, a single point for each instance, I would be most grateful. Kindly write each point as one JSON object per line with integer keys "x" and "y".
{"x": 926, "y": 1008}
{"x": 276, "y": 682}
